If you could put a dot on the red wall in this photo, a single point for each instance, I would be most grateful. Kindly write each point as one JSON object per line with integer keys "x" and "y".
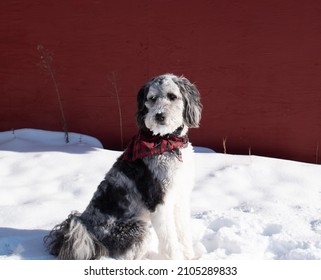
{"x": 257, "y": 65}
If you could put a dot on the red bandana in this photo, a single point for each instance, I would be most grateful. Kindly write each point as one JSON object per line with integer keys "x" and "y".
{"x": 144, "y": 143}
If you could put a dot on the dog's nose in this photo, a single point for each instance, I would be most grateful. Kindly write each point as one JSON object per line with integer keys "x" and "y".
{"x": 160, "y": 117}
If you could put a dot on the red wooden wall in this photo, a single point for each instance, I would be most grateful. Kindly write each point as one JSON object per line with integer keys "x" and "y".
{"x": 256, "y": 63}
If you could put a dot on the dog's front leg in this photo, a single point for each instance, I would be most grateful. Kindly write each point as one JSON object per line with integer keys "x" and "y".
{"x": 182, "y": 219}
{"x": 163, "y": 222}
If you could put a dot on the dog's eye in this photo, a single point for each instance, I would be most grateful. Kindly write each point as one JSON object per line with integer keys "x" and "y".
{"x": 171, "y": 96}
{"x": 153, "y": 98}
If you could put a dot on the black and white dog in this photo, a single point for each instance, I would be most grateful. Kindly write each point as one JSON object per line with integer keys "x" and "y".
{"x": 150, "y": 183}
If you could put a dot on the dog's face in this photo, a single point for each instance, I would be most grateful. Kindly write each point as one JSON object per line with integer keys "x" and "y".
{"x": 167, "y": 102}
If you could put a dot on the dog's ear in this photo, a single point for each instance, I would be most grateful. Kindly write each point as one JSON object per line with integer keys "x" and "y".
{"x": 141, "y": 108}
{"x": 192, "y": 101}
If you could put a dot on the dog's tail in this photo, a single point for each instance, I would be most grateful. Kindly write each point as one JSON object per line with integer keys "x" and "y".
{"x": 71, "y": 240}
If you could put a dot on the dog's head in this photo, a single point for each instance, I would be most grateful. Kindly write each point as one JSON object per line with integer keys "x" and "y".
{"x": 167, "y": 102}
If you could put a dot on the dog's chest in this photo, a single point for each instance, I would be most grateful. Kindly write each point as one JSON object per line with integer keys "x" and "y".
{"x": 167, "y": 168}
{"x": 163, "y": 167}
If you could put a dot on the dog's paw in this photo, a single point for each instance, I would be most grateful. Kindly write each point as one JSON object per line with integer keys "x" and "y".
{"x": 172, "y": 254}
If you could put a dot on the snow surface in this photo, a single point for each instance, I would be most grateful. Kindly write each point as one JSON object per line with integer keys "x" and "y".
{"x": 243, "y": 207}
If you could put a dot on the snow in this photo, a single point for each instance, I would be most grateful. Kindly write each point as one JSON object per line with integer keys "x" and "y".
{"x": 243, "y": 207}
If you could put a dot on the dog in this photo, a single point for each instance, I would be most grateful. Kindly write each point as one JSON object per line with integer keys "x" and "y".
{"x": 150, "y": 184}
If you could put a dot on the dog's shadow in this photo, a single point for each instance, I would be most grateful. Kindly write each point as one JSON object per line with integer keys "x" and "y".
{"x": 23, "y": 244}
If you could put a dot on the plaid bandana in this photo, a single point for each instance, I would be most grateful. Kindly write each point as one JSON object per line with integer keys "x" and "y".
{"x": 144, "y": 143}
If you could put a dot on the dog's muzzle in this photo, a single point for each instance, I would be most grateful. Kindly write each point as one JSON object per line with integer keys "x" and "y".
{"x": 160, "y": 118}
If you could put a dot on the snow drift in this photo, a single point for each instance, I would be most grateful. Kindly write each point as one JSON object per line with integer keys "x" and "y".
{"x": 243, "y": 207}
